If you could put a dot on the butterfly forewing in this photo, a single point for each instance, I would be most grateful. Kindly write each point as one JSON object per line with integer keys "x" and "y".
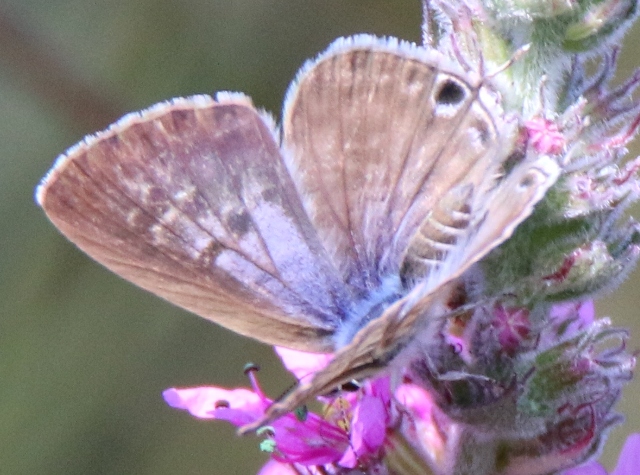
{"x": 191, "y": 200}
{"x": 377, "y": 135}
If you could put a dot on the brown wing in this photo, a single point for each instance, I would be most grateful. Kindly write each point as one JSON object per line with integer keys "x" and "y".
{"x": 378, "y": 133}
{"x": 191, "y": 201}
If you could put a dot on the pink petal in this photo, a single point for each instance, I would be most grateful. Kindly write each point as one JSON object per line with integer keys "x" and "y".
{"x": 587, "y": 312}
{"x": 369, "y": 425}
{"x": 303, "y": 365}
{"x": 244, "y": 406}
{"x": 312, "y": 442}
{"x": 459, "y": 346}
{"x": 416, "y": 399}
{"x": 590, "y": 468}
{"x": 380, "y": 388}
{"x": 422, "y": 428}
{"x": 369, "y": 422}
{"x": 544, "y": 136}
{"x": 512, "y": 326}
{"x": 629, "y": 460}
{"x": 273, "y": 467}
{"x": 349, "y": 459}
{"x": 583, "y": 313}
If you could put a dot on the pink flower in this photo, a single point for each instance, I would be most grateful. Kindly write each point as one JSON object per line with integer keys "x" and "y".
{"x": 585, "y": 310}
{"x": 302, "y": 365}
{"x": 273, "y": 467}
{"x": 628, "y": 462}
{"x": 367, "y": 414}
{"x": 306, "y": 440}
{"x": 351, "y": 432}
{"x": 371, "y": 416}
{"x": 421, "y": 425}
{"x": 544, "y": 136}
{"x": 512, "y": 326}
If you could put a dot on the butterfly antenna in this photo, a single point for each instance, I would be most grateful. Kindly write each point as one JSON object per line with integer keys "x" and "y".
{"x": 286, "y": 391}
{"x": 349, "y": 386}
{"x": 292, "y": 386}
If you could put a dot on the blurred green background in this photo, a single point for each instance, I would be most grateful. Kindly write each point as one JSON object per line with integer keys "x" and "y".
{"x": 84, "y": 356}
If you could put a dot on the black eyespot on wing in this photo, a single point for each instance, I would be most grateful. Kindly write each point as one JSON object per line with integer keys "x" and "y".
{"x": 449, "y": 93}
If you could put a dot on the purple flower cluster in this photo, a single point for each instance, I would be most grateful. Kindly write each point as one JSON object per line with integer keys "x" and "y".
{"x": 379, "y": 425}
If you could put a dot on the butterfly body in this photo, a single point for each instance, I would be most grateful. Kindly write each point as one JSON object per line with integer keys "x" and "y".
{"x": 344, "y": 232}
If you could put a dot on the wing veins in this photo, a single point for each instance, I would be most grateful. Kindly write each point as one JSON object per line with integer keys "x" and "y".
{"x": 238, "y": 250}
{"x": 106, "y": 217}
{"x": 454, "y": 130}
{"x": 311, "y": 146}
{"x": 360, "y": 259}
{"x": 253, "y": 221}
{"x": 349, "y": 228}
{"x": 180, "y": 262}
{"x": 404, "y": 167}
{"x": 170, "y": 229}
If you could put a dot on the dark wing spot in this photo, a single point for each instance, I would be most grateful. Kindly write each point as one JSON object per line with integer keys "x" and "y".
{"x": 157, "y": 195}
{"x": 351, "y": 386}
{"x": 181, "y": 118}
{"x": 484, "y": 133}
{"x": 450, "y": 92}
{"x": 270, "y": 195}
{"x": 516, "y": 157}
{"x": 112, "y": 141}
{"x": 239, "y": 223}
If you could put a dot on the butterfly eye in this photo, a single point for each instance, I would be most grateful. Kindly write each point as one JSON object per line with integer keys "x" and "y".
{"x": 449, "y": 93}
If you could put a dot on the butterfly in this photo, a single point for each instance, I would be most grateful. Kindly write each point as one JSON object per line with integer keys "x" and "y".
{"x": 344, "y": 231}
